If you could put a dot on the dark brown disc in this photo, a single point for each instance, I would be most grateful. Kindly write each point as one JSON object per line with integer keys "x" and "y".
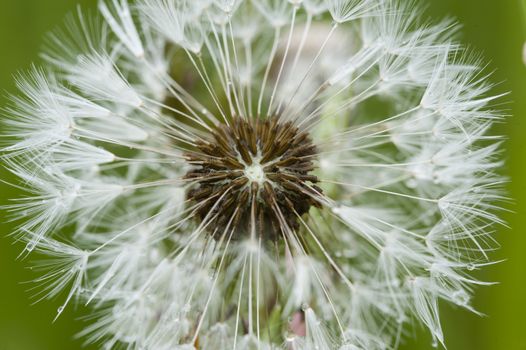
{"x": 254, "y": 175}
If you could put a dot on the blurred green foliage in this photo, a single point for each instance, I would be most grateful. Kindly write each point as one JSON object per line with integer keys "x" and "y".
{"x": 494, "y": 28}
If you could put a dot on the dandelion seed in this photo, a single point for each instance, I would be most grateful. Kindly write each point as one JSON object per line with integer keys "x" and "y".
{"x": 214, "y": 174}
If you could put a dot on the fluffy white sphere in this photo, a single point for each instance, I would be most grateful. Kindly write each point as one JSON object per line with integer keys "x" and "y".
{"x": 219, "y": 174}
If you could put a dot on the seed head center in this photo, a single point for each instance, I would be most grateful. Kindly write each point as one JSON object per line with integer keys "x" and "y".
{"x": 253, "y": 175}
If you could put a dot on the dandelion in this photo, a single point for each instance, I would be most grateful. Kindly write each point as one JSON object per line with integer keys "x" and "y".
{"x": 216, "y": 174}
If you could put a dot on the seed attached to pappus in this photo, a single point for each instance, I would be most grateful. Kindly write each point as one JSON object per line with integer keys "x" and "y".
{"x": 254, "y": 176}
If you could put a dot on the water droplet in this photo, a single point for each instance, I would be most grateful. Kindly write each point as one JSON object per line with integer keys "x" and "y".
{"x": 60, "y": 309}
{"x": 337, "y": 210}
{"x": 471, "y": 267}
{"x": 30, "y": 246}
{"x": 460, "y": 298}
{"x": 411, "y": 183}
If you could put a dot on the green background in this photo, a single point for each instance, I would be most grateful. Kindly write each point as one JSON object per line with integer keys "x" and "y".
{"x": 494, "y": 27}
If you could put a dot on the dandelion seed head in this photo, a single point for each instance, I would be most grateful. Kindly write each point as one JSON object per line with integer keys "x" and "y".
{"x": 256, "y": 174}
